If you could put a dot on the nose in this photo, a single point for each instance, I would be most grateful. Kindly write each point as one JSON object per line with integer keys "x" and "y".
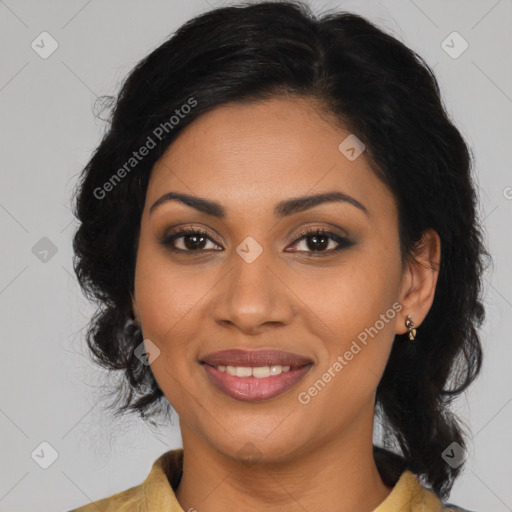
{"x": 253, "y": 296}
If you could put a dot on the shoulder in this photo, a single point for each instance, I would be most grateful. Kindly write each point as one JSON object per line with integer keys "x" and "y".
{"x": 407, "y": 491}
{"x": 120, "y": 502}
{"x": 155, "y": 493}
{"x": 409, "y": 495}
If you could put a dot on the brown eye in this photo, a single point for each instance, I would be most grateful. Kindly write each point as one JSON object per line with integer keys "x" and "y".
{"x": 320, "y": 241}
{"x": 189, "y": 240}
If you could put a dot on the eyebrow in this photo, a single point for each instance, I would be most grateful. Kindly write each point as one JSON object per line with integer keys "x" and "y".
{"x": 282, "y": 209}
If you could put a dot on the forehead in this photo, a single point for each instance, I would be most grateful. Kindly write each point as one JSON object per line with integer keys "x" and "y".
{"x": 242, "y": 153}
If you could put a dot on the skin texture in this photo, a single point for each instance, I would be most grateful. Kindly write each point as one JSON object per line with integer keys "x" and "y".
{"x": 248, "y": 157}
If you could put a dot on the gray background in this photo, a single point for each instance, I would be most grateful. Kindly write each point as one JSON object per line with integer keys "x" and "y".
{"x": 50, "y": 389}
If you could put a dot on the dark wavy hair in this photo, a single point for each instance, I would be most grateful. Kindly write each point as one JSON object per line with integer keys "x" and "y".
{"x": 381, "y": 91}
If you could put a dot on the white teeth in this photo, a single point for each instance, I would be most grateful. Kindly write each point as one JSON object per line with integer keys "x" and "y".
{"x": 261, "y": 371}
{"x": 243, "y": 371}
{"x": 231, "y": 370}
{"x": 257, "y": 371}
{"x": 276, "y": 370}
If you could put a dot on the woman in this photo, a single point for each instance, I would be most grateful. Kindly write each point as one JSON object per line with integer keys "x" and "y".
{"x": 280, "y": 230}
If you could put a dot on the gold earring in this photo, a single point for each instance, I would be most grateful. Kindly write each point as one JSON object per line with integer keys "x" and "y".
{"x": 410, "y": 326}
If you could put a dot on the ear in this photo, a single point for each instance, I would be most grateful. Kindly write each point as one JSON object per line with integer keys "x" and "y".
{"x": 419, "y": 280}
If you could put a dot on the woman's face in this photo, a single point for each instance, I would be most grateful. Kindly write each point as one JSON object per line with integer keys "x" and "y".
{"x": 251, "y": 280}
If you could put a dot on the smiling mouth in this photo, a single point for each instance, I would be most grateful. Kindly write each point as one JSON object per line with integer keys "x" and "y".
{"x": 253, "y": 371}
{"x": 255, "y": 383}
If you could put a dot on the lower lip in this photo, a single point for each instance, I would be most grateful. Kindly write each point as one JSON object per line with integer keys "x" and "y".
{"x": 254, "y": 389}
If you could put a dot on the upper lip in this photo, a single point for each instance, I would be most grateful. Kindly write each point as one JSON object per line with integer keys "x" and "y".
{"x": 251, "y": 358}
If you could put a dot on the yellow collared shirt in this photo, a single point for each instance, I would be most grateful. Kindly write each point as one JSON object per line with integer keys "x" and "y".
{"x": 156, "y": 494}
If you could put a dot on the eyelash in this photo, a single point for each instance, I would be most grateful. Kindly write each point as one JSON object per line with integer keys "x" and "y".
{"x": 343, "y": 243}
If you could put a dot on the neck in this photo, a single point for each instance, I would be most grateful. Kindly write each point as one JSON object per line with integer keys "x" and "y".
{"x": 339, "y": 474}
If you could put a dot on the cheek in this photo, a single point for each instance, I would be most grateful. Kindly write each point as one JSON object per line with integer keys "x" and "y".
{"x": 167, "y": 299}
{"x": 173, "y": 303}
{"x": 167, "y": 307}
{"x": 355, "y": 351}
{"x": 353, "y": 296}
{"x": 356, "y": 304}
